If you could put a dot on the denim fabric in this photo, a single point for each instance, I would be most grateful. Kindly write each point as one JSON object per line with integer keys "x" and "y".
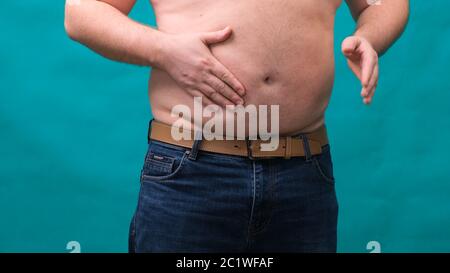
{"x": 221, "y": 203}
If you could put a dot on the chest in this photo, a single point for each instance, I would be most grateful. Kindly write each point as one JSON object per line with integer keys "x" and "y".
{"x": 272, "y": 9}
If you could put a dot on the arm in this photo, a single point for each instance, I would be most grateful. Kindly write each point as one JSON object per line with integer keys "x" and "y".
{"x": 378, "y": 27}
{"x": 103, "y": 26}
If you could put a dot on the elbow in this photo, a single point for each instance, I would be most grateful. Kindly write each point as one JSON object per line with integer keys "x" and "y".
{"x": 70, "y": 20}
{"x": 69, "y": 29}
{"x": 407, "y": 13}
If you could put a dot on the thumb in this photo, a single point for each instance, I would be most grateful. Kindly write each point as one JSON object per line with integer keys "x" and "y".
{"x": 216, "y": 36}
{"x": 350, "y": 45}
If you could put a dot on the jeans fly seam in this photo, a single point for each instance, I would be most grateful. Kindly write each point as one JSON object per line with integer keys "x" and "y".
{"x": 253, "y": 204}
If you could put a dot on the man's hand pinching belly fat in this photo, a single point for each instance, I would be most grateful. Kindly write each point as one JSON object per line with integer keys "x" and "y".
{"x": 363, "y": 61}
{"x": 188, "y": 59}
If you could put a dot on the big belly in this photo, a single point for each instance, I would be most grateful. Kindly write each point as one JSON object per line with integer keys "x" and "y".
{"x": 292, "y": 67}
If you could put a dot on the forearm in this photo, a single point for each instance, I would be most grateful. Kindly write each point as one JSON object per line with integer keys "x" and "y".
{"x": 382, "y": 24}
{"x": 112, "y": 34}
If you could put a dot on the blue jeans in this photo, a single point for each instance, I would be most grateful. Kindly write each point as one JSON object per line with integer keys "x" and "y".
{"x": 221, "y": 203}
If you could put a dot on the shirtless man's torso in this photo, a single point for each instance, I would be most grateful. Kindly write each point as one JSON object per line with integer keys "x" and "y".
{"x": 231, "y": 195}
{"x": 281, "y": 53}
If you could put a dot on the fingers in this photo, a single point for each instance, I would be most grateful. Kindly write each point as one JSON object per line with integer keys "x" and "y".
{"x": 215, "y": 96}
{"x": 350, "y": 45}
{"x": 218, "y": 69}
{"x": 357, "y": 49}
{"x": 219, "y": 89}
{"x": 216, "y": 82}
{"x": 228, "y": 90}
{"x": 216, "y": 36}
{"x": 372, "y": 86}
{"x": 363, "y": 61}
{"x": 370, "y": 72}
{"x": 210, "y": 96}
{"x": 369, "y": 60}
{"x": 221, "y": 72}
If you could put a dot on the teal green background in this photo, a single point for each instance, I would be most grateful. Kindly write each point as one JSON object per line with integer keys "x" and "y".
{"x": 73, "y": 137}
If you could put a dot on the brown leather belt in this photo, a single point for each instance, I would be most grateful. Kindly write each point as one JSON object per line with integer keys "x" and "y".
{"x": 288, "y": 146}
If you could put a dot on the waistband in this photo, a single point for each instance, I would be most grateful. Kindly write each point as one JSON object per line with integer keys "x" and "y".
{"x": 301, "y": 145}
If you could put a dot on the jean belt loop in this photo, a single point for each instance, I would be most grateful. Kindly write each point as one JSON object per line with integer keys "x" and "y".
{"x": 288, "y": 148}
{"x": 195, "y": 146}
{"x": 149, "y": 131}
{"x": 306, "y": 147}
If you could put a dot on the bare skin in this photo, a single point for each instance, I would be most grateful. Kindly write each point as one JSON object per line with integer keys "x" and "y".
{"x": 258, "y": 52}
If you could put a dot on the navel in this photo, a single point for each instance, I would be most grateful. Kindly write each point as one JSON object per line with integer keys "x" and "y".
{"x": 268, "y": 79}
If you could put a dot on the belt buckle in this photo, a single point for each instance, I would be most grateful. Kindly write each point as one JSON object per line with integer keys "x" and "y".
{"x": 250, "y": 147}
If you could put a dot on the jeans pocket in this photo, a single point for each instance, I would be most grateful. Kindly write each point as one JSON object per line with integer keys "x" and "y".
{"x": 162, "y": 163}
{"x": 324, "y": 165}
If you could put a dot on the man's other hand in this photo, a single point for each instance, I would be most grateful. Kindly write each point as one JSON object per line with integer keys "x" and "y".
{"x": 363, "y": 61}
